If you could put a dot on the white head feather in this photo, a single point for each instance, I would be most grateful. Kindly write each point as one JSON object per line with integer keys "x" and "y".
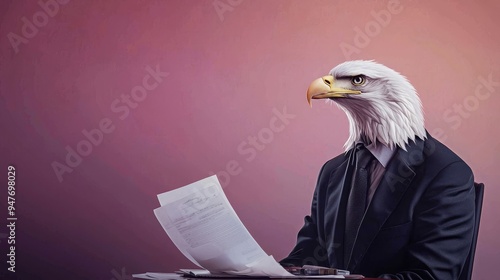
{"x": 388, "y": 110}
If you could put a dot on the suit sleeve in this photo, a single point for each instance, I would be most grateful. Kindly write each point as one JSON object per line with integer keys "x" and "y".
{"x": 443, "y": 227}
{"x": 310, "y": 248}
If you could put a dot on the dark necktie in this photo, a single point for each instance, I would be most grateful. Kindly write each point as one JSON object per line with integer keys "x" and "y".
{"x": 357, "y": 200}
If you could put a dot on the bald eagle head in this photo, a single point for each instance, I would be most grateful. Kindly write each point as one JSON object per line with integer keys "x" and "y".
{"x": 381, "y": 105}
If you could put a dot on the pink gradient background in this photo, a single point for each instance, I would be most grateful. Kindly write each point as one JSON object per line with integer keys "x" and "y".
{"x": 226, "y": 76}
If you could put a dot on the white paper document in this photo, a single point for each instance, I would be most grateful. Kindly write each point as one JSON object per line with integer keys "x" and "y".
{"x": 203, "y": 225}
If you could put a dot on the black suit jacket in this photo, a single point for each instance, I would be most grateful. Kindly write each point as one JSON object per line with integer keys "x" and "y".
{"x": 418, "y": 225}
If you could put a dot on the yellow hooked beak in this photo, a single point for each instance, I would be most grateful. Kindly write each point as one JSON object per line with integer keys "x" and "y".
{"x": 324, "y": 87}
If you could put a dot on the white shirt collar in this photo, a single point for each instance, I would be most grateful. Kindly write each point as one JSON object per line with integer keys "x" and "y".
{"x": 381, "y": 152}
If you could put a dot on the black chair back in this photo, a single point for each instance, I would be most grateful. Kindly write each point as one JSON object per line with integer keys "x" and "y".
{"x": 469, "y": 263}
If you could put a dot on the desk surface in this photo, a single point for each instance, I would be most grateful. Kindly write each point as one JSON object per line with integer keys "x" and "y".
{"x": 273, "y": 278}
{"x": 174, "y": 276}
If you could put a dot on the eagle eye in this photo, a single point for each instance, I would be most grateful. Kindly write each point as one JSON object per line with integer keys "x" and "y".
{"x": 358, "y": 80}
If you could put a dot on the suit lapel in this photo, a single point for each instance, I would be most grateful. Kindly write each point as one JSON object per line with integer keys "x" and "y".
{"x": 397, "y": 177}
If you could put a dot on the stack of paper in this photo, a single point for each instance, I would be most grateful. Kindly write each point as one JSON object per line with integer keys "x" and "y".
{"x": 205, "y": 228}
